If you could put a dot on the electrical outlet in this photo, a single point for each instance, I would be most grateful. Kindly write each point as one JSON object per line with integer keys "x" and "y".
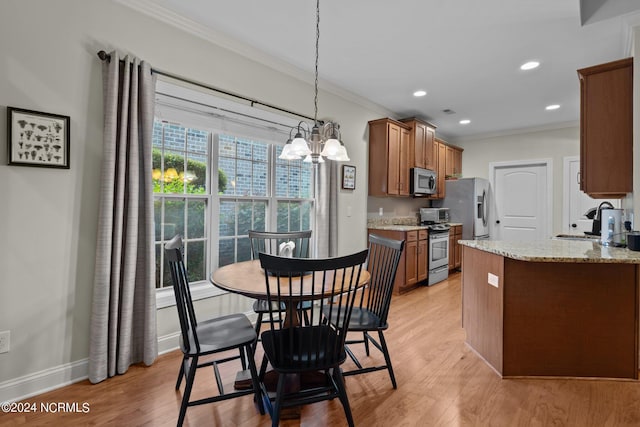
{"x": 4, "y": 341}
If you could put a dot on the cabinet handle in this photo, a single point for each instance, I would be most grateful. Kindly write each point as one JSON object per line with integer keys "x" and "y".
{"x": 578, "y": 178}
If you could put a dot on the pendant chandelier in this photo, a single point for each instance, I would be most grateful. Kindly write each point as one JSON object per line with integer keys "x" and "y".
{"x": 323, "y": 139}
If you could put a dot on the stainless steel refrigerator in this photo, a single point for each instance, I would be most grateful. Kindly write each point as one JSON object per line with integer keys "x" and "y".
{"x": 468, "y": 203}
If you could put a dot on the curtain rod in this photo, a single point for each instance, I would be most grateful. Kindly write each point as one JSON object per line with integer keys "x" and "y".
{"x": 106, "y": 57}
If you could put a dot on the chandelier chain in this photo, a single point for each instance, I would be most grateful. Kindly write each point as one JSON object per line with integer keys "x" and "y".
{"x": 315, "y": 99}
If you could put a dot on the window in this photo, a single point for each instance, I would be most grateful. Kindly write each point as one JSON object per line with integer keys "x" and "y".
{"x": 253, "y": 190}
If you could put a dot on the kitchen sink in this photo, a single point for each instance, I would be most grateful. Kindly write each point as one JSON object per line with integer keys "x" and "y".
{"x": 582, "y": 237}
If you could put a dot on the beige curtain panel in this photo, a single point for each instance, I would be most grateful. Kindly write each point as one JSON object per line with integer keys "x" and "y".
{"x": 326, "y": 226}
{"x": 123, "y": 318}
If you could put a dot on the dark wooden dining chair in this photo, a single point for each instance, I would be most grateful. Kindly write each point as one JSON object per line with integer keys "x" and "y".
{"x": 208, "y": 337}
{"x": 270, "y": 243}
{"x": 298, "y": 349}
{"x": 372, "y": 304}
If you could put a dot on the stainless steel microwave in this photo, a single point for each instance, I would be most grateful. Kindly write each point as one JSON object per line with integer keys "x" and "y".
{"x": 423, "y": 182}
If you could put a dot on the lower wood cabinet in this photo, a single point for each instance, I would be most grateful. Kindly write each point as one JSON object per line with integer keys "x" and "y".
{"x": 455, "y": 249}
{"x": 413, "y": 268}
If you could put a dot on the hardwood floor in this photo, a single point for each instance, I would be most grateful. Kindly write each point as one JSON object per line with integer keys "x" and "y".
{"x": 441, "y": 382}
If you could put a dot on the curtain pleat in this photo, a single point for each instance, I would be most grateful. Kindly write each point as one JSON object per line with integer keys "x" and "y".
{"x": 123, "y": 319}
{"x": 327, "y": 179}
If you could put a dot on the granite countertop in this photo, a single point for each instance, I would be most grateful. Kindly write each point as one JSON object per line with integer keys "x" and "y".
{"x": 556, "y": 251}
{"x": 403, "y": 227}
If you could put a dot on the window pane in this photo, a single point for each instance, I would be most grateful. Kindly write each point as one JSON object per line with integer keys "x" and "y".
{"x": 306, "y": 191}
{"x": 226, "y": 252}
{"x": 243, "y": 178}
{"x": 228, "y": 168}
{"x": 245, "y": 213}
{"x": 157, "y": 219}
{"x": 196, "y": 218}
{"x": 294, "y": 182}
{"x": 156, "y": 138}
{"x": 173, "y": 166}
{"x": 283, "y": 216}
{"x": 259, "y": 216}
{"x": 174, "y": 136}
{"x": 294, "y": 216}
{"x": 282, "y": 178}
{"x": 197, "y": 141}
{"x": 305, "y": 213}
{"x": 196, "y": 261}
{"x": 173, "y": 217}
{"x": 244, "y": 249}
{"x": 195, "y": 177}
{"x": 227, "y": 226}
{"x": 259, "y": 179}
{"x": 244, "y": 149}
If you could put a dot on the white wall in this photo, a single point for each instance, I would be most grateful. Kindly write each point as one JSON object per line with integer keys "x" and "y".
{"x": 48, "y": 216}
{"x": 554, "y": 144}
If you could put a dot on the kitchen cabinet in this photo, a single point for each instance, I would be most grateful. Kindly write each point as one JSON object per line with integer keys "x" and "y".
{"x": 413, "y": 266}
{"x": 455, "y": 249}
{"x": 390, "y": 158}
{"x": 606, "y": 129}
{"x": 453, "y": 162}
{"x": 441, "y": 169}
{"x": 422, "y": 139}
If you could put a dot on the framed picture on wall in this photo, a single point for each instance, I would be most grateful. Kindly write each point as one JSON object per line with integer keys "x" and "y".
{"x": 348, "y": 177}
{"x": 37, "y": 139}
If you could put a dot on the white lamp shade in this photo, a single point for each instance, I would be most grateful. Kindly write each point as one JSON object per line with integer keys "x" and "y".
{"x": 300, "y": 147}
{"x": 331, "y": 147}
{"x": 288, "y": 154}
{"x": 341, "y": 155}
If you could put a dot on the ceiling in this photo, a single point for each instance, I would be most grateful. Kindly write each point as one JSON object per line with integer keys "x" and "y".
{"x": 466, "y": 54}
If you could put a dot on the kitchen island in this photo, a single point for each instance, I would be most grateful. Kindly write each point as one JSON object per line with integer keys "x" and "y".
{"x": 552, "y": 308}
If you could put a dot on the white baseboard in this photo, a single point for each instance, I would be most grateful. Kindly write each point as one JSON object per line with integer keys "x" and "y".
{"x": 50, "y": 379}
{"x": 43, "y": 381}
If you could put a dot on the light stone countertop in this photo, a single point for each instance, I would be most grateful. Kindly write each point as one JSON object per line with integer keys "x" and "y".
{"x": 553, "y": 250}
{"x": 401, "y": 227}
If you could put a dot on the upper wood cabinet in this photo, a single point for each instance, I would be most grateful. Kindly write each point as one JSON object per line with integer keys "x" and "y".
{"x": 389, "y": 158}
{"x": 453, "y": 162}
{"x": 441, "y": 169}
{"x": 422, "y": 139}
{"x": 606, "y": 129}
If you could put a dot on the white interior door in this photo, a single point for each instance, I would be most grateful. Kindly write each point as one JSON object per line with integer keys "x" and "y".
{"x": 577, "y": 203}
{"x": 522, "y": 201}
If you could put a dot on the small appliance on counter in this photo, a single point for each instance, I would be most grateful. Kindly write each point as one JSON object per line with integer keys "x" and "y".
{"x": 430, "y": 216}
{"x": 612, "y": 232}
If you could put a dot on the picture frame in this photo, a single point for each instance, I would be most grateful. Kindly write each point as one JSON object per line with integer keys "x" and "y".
{"x": 348, "y": 177}
{"x": 37, "y": 139}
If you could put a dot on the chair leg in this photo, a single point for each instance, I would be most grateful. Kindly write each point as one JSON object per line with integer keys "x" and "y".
{"x": 258, "y": 326}
{"x": 254, "y": 380}
{"x": 263, "y": 367}
{"x": 181, "y": 373}
{"x": 190, "y": 375}
{"x": 387, "y": 358}
{"x": 342, "y": 394}
{"x": 275, "y": 416}
{"x": 365, "y": 338}
{"x": 243, "y": 358}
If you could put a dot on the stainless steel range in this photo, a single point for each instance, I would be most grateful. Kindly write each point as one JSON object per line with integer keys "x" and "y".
{"x": 436, "y": 221}
{"x": 438, "y": 253}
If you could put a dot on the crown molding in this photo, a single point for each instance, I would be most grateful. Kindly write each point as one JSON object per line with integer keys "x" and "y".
{"x": 629, "y": 22}
{"x": 521, "y": 131}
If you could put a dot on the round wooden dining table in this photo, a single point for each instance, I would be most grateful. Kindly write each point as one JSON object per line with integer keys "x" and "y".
{"x": 248, "y": 278}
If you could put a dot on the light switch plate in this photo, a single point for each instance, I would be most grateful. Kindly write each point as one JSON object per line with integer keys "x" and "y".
{"x": 493, "y": 280}
{"x": 4, "y": 341}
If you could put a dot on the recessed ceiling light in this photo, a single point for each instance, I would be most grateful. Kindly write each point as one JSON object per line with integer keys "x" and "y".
{"x": 420, "y": 93}
{"x": 552, "y": 107}
{"x": 465, "y": 121}
{"x": 530, "y": 65}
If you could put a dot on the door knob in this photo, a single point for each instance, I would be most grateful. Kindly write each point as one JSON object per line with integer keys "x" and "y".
{"x": 574, "y": 225}
{"x": 498, "y": 222}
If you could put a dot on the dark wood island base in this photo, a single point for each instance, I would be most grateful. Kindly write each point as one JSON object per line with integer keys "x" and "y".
{"x": 531, "y": 318}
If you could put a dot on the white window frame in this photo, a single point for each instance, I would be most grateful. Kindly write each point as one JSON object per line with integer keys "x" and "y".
{"x": 204, "y": 289}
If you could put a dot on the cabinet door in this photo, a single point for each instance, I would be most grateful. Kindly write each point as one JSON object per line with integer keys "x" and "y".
{"x": 458, "y": 247}
{"x": 448, "y": 170}
{"x": 429, "y": 149}
{"x": 393, "y": 164}
{"x": 457, "y": 162}
{"x": 442, "y": 159}
{"x": 419, "y": 139}
{"x": 405, "y": 162}
{"x": 423, "y": 260}
{"x": 606, "y": 129}
{"x": 411, "y": 267}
